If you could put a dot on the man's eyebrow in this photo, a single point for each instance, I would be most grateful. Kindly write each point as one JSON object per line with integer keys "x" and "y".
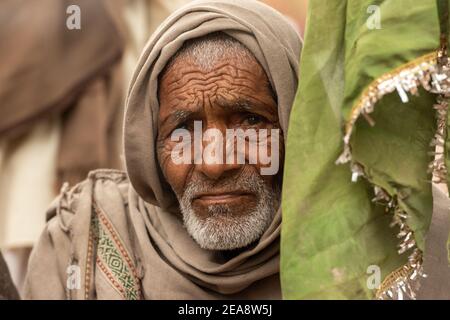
{"x": 178, "y": 116}
{"x": 235, "y": 105}
{"x": 243, "y": 105}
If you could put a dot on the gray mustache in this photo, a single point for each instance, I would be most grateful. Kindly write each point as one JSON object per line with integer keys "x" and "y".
{"x": 249, "y": 184}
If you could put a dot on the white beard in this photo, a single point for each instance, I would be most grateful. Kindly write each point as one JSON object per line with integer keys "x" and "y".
{"x": 222, "y": 230}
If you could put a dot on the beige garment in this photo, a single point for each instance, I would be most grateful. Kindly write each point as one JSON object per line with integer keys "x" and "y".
{"x": 52, "y": 70}
{"x": 142, "y": 252}
{"x": 436, "y": 264}
{"x": 7, "y": 289}
{"x": 17, "y": 262}
{"x": 27, "y": 183}
{"x": 124, "y": 238}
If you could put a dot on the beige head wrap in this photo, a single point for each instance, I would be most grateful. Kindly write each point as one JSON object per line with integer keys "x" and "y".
{"x": 268, "y": 35}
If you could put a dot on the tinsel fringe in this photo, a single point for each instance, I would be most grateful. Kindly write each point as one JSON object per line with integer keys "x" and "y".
{"x": 431, "y": 74}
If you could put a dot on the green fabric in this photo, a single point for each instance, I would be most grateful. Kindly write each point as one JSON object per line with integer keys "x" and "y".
{"x": 332, "y": 231}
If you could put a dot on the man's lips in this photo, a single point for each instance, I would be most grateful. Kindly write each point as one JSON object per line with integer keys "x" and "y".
{"x": 222, "y": 197}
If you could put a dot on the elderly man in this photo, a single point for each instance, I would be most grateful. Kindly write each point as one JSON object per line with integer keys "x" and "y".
{"x": 187, "y": 220}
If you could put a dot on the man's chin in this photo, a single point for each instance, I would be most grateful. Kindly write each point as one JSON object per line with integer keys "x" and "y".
{"x": 232, "y": 241}
{"x": 224, "y": 229}
{"x": 228, "y": 220}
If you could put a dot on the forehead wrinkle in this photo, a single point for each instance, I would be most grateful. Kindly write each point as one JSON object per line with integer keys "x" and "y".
{"x": 226, "y": 69}
{"x": 209, "y": 51}
{"x": 189, "y": 90}
{"x": 227, "y": 72}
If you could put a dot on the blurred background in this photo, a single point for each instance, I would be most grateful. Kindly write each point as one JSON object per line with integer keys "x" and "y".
{"x": 62, "y": 87}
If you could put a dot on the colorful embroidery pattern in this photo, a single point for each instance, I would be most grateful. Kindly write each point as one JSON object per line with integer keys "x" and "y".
{"x": 112, "y": 258}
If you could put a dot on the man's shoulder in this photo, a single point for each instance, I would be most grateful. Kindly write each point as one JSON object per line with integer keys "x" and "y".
{"x": 71, "y": 200}
{"x": 73, "y": 229}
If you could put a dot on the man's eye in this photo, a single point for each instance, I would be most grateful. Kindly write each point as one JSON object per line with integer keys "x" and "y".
{"x": 253, "y": 119}
{"x": 184, "y": 125}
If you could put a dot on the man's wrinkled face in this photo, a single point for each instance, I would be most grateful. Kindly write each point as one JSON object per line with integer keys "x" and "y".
{"x": 229, "y": 205}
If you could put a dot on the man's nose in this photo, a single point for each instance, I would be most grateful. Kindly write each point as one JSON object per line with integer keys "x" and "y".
{"x": 217, "y": 171}
{"x": 214, "y": 168}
